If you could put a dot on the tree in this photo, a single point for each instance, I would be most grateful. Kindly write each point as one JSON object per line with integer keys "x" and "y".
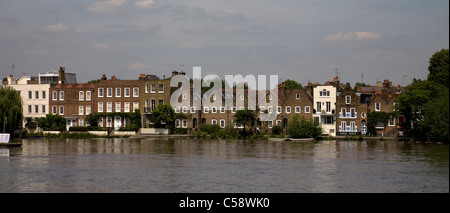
{"x": 291, "y": 84}
{"x": 51, "y": 122}
{"x": 438, "y": 68}
{"x": 244, "y": 117}
{"x": 163, "y": 116}
{"x": 436, "y": 117}
{"x": 299, "y": 127}
{"x": 11, "y": 109}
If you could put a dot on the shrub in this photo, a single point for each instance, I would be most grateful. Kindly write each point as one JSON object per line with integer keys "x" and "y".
{"x": 78, "y": 128}
{"x": 277, "y": 130}
{"x": 209, "y": 128}
{"x": 302, "y": 128}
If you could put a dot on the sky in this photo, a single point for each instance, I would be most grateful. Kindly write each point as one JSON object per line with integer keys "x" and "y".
{"x": 301, "y": 40}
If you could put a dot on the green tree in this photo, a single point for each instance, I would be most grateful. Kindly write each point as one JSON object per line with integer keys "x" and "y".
{"x": 299, "y": 127}
{"x": 438, "y": 68}
{"x": 244, "y": 117}
{"x": 164, "y": 116}
{"x": 436, "y": 117}
{"x": 11, "y": 110}
{"x": 51, "y": 122}
{"x": 291, "y": 84}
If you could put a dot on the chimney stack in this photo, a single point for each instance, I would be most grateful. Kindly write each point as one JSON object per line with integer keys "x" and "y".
{"x": 62, "y": 77}
{"x": 104, "y": 77}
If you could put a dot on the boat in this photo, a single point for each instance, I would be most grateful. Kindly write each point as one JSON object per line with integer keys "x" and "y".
{"x": 299, "y": 139}
{"x": 5, "y": 141}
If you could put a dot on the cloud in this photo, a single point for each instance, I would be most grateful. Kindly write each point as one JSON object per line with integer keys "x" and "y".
{"x": 145, "y": 3}
{"x": 101, "y": 45}
{"x": 139, "y": 66}
{"x": 192, "y": 45}
{"x": 353, "y": 36}
{"x": 105, "y": 6}
{"x": 57, "y": 27}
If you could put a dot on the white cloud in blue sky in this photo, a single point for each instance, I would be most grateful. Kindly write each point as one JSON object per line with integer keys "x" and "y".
{"x": 300, "y": 40}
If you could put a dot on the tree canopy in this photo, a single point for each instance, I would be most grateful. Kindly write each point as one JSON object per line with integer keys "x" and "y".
{"x": 164, "y": 116}
{"x": 11, "y": 109}
{"x": 291, "y": 84}
{"x": 244, "y": 117}
{"x": 438, "y": 68}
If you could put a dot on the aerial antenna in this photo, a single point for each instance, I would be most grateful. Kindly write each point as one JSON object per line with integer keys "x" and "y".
{"x": 13, "y": 66}
{"x": 181, "y": 67}
{"x": 362, "y": 74}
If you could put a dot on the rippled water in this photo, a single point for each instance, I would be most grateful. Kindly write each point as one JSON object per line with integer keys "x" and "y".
{"x": 187, "y": 165}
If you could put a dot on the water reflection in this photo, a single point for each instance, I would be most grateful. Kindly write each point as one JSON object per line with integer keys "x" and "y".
{"x": 186, "y": 165}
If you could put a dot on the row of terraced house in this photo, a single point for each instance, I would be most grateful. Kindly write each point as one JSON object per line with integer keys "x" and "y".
{"x": 338, "y": 109}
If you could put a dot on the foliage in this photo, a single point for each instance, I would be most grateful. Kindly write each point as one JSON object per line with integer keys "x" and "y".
{"x": 163, "y": 117}
{"x": 78, "y": 128}
{"x": 51, "y": 122}
{"x": 438, "y": 68}
{"x": 180, "y": 130}
{"x": 209, "y": 128}
{"x": 299, "y": 127}
{"x": 277, "y": 130}
{"x": 244, "y": 117}
{"x": 375, "y": 118}
{"x": 11, "y": 109}
{"x": 291, "y": 84}
{"x": 135, "y": 118}
{"x": 436, "y": 117}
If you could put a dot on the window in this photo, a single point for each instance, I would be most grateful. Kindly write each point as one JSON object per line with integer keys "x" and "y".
{"x": 352, "y": 113}
{"x": 43, "y": 109}
{"x": 177, "y": 123}
{"x": 233, "y": 110}
{"x": 118, "y": 106}
{"x": 161, "y": 88}
{"x": 391, "y": 122}
{"x": 363, "y": 114}
{"x": 278, "y": 122}
{"x": 377, "y": 106}
{"x": 352, "y": 126}
{"x": 160, "y": 102}
{"x": 81, "y": 122}
{"x": 80, "y": 110}
{"x": 278, "y": 109}
{"x": 153, "y": 104}
{"x": 324, "y": 93}
{"x": 328, "y": 106}
{"x": 319, "y": 106}
{"x": 184, "y": 109}
{"x": 206, "y": 109}
{"x": 109, "y": 92}
{"x": 118, "y": 92}
{"x": 127, "y": 92}
{"x": 177, "y": 109}
{"x": 297, "y": 96}
{"x": 146, "y": 88}
{"x": 88, "y": 110}
{"x": 81, "y": 96}
{"x": 297, "y": 109}
{"x": 55, "y": 96}
{"x": 100, "y": 106}
{"x": 88, "y": 95}
{"x": 214, "y": 109}
{"x": 213, "y": 121}
{"x": 100, "y": 92}
{"x": 306, "y": 109}
{"x": 270, "y": 109}
{"x": 184, "y": 123}
{"x": 328, "y": 120}
{"x": 222, "y": 123}
{"x": 36, "y": 94}
{"x": 126, "y": 107}
{"x": 343, "y": 112}
{"x": 108, "y": 121}
{"x": 262, "y": 109}
{"x": 348, "y": 99}
{"x": 270, "y": 124}
{"x": 136, "y": 92}
{"x": 192, "y": 109}
{"x": 395, "y": 106}
{"x": 184, "y": 96}
{"x": 61, "y": 95}
{"x": 54, "y": 110}
{"x": 288, "y": 109}
{"x": 222, "y": 109}
{"x": 61, "y": 110}
{"x": 109, "y": 107}
{"x": 153, "y": 88}
{"x": 30, "y": 95}
{"x": 43, "y": 94}
{"x": 135, "y": 106}
{"x": 36, "y": 109}
{"x": 100, "y": 122}
{"x": 342, "y": 128}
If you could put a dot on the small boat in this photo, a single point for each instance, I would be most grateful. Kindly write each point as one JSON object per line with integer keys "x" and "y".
{"x": 299, "y": 139}
{"x": 4, "y": 141}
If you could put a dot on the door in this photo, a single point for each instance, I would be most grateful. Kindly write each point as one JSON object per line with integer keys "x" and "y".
{"x": 117, "y": 123}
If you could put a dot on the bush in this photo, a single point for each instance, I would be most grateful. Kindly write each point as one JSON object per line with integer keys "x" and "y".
{"x": 180, "y": 131}
{"x": 277, "y": 130}
{"x": 302, "y": 128}
{"x": 78, "y": 128}
{"x": 209, "y": 128}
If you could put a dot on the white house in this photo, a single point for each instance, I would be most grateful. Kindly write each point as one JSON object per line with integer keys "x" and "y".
{"x": 325, "y": 108}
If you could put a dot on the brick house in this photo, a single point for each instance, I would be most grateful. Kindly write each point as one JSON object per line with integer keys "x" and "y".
{"x": 114, "y": 95}
{"x": 293, "y": 102}
{"x": 351, "y": 113}
{"x": 71, "y": 101}
{"x": 153, "y": 92}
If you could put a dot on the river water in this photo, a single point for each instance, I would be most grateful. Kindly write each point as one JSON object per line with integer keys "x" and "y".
{"x": 188, "y": 165}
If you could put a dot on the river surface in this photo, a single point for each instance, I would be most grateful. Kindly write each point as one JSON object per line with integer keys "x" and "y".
{"x": 188, "y": 165}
